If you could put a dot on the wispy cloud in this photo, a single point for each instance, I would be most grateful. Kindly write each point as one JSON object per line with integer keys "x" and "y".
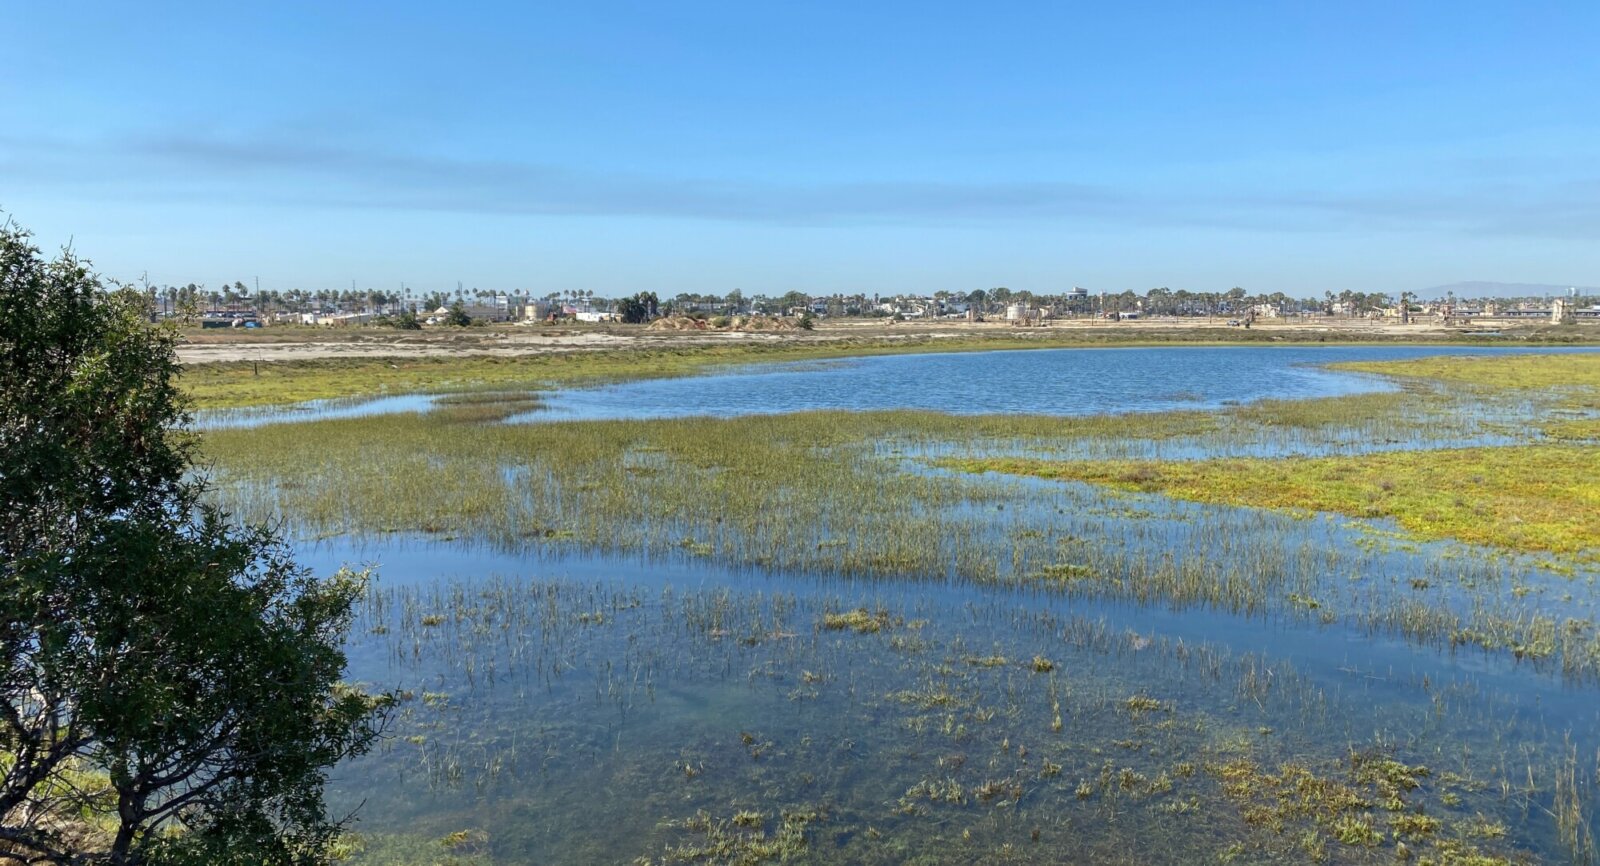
{"x": 318, "y": 175}
{"x": 1494, "y": 207}
{"x": 203, "y": 167}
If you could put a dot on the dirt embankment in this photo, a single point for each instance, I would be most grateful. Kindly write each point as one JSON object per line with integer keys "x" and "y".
{"x": 294, "y": 343}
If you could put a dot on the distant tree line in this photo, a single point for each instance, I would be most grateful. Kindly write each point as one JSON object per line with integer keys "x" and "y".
{"x": 191, "y": 300}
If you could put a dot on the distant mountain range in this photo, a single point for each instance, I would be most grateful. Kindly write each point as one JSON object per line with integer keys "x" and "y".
{"x": 1483, "y": 289}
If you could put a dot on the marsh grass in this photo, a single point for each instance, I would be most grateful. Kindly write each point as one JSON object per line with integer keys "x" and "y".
{"x": 986, "y": 731}
{"x": 1526, "y": 498}
{"x": 705, "y": 708}
{"x": 846, "y": 494}
{"x": 1578, "y": 372}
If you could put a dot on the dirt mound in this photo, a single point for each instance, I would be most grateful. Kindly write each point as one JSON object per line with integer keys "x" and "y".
{"x": 765, "y": 323}
{"x": 723, "y": 323}
{"x": 678, "y": 323}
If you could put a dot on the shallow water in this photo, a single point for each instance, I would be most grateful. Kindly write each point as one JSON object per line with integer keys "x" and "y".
{"x": 314, "y": 410}
{"x": 1036, "y": 381}
{"x": 1039, "y": 381}
{"x": 632, "y": 716}
{"x": 571, "y": 702}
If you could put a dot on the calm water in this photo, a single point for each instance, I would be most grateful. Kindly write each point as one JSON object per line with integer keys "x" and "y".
{"x": 594, "y": 709}
{"x": 1042, "y": 381}
{"x": 1326, "y": 653}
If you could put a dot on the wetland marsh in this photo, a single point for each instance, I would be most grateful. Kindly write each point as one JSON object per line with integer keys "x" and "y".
{"x": 1235, "y": 607}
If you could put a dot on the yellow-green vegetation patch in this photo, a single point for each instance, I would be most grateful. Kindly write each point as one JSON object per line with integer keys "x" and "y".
{"x": 1578, "y": 430}
{"x": 1525, "y": 498}
{"x": 467, "y": 847}
{"x": 1364, "y": 807}
{"x": 1138, "y": 705}
{"x": 745, "y": 839}
{"x": 77, "y": 801}
{"x": 1334, "y": 412}
{"x": 242, "y": 384}
{"x": 860, "y": 621}
{"x": 1578, "y": 370}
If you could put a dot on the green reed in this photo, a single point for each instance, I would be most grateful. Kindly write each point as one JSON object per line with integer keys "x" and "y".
{"x": 853, "y": 745}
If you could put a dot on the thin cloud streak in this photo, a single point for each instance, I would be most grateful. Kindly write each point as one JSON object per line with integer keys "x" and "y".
{"x": 198, "y": 168}
{"x": 351, "y": 178}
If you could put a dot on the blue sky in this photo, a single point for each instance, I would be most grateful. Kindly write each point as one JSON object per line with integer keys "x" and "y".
{"x": 878, "y": 147}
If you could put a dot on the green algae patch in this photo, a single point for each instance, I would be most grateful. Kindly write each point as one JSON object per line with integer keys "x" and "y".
{"x": 1543, "y": 498}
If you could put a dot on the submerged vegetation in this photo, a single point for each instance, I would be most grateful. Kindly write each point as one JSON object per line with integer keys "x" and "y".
{"x": 742, "y": 735}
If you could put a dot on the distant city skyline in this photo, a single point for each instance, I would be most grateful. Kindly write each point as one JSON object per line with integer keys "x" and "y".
{"x": 874, "y": 148}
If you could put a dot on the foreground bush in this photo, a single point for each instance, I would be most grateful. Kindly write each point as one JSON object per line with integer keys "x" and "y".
{"x": 170, "y": 690}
